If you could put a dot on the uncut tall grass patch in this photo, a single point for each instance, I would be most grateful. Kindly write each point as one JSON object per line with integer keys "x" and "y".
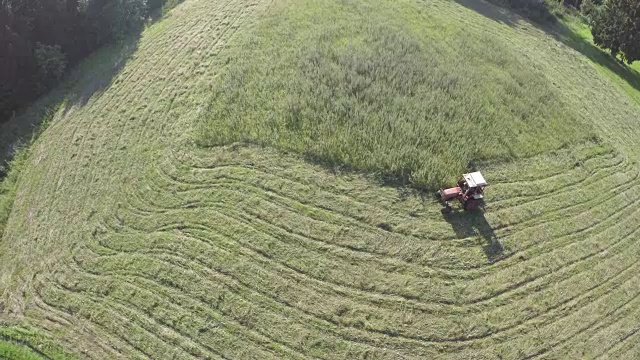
{"x": 363, "y": 85}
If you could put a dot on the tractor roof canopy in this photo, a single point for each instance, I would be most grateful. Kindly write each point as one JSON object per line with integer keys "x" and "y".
{"x": 475, "y": 179}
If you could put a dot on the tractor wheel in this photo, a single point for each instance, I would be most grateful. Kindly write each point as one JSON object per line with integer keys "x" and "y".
{"x": 471, "y": 204}
{"x": 446, "y": 209}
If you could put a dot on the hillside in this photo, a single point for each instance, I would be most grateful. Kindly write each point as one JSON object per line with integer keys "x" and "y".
{"x": 192, "y": 206}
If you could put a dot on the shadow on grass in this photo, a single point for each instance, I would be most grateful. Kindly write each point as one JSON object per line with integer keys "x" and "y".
{"x": 398, "y": 180}
{"x": 87, "y": 80}
{"x": 493, "y": 12}
{"x": 97, "y": 75}
{"x": 547, "y": 22}
{"x": 568, "y": 37}
{"x": 469, "y": 224}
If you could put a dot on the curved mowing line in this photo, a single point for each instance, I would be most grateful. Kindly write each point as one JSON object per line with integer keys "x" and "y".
{"x": 583, "y": 258}
{"x": 621, "y": 342}
{"x": 561, "y": 209}
{"x": 590, "y": 178}
{"x": 152, "y": 279}
{"x": 587, "y": 178}
{"x": 194, "y": 205}
{"x": 259, "y": 231}
{"x": 76, "y": 335}
{"x": 198, "y": 183}
{"x": 128, "y": 308}
{"x": 565, "y": 341}
{"x": 177, "y": 258}
{"x": 593, "y": 224}
{"x": 581, "y": 295}
{"x": 203, "y": 302}
{"x": 509, "y": 179}
{"x": 118, "y": 334}
{"x": 108, "y": 303}
{"x": 180, "y": 255}
{"x": 259, "y": 191}
{"x": 104, "y": 300}
{"x": 573, "y": 233}
{"x": 619, "y": 346}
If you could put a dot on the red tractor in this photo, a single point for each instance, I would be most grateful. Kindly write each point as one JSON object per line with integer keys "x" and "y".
{"x": 469, "y": 192}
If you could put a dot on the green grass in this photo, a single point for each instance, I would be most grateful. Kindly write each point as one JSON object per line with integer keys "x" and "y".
{"x": 378, "y": 87}
{"x": 126, "y": 239}
{"x": 19, "y": 343}
{"x": 12, "y": 169}
{"x": 8, "y": 188}
{"x": 625, "y": 76}
{"x": 16, "y": 352}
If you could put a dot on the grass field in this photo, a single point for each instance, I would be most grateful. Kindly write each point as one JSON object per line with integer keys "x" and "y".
{"x": 129, "y": 239}
{"x": 374, "y": 87}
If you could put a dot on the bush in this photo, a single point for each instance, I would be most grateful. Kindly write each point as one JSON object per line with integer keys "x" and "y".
{"x": 51, "y": 62}
{"x": 125, "y": 17}
{"x": 615, "y": 25}
{"x": 113, "y": 20}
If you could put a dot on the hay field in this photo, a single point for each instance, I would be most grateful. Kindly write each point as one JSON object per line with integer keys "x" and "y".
{"x": 127, "y": 238}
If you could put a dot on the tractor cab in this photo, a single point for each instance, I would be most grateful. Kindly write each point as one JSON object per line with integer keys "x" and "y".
{"x": 473, "y": 185}
{"x": 469, "y": 191}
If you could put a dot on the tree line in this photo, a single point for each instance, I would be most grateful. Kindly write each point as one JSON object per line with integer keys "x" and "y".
{"x": 41, "y": 39}
{"x": 615, "y": 25}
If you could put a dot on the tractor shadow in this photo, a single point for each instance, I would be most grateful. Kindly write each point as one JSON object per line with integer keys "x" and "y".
{"x": 474, "y": 224}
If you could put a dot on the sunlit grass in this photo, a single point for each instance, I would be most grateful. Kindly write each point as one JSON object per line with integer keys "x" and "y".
{"x": 17, "y": 343}
{"x": 12, "y": 351}
{"x": 345, "y": 83}
{"x": 626, "y": 76}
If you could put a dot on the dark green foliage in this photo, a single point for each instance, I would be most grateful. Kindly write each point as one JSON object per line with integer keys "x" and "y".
{"x": 534, "y": 9}
{"x": 540, "y": 11}
{"x": 39, "y": 40}
{"x": 51, "y": 63}
{"x": 575, "y": 3}
{"x": 121, "y": 17}
{"x": 615, "y": 25}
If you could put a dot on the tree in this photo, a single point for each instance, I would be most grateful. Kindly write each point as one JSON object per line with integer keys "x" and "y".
{"x": 129, "y": 16}
{"x": 51, "y": 63}
{"x": 615, "y": 25}
{"x": 16, "y": 60}
{"x": 41, "y": 39}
